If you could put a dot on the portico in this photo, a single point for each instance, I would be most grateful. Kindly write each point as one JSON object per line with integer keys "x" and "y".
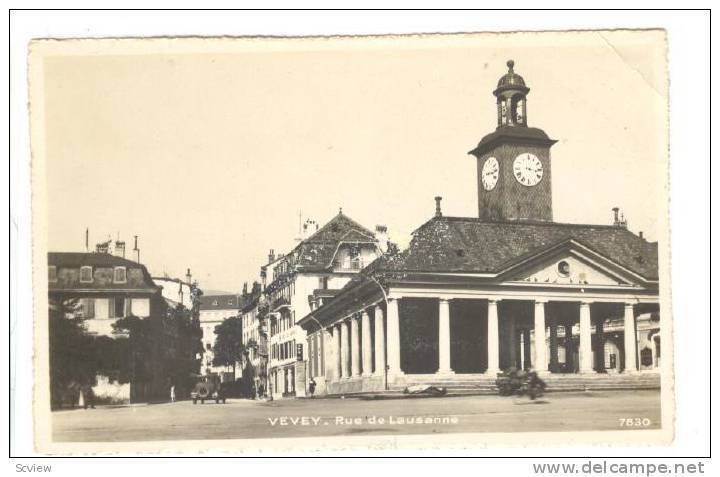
{"x": 469, "y": 333}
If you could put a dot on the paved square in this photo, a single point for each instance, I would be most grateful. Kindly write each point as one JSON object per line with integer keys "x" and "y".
{"x": 352, "y": 416}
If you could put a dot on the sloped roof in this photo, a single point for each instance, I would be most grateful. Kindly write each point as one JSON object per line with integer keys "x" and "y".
{"x": 317, "y": 251}
{"x": 93, "y": 259}
{"x": 512, "y": 133}
{"x": 220, "y": 302}
{"x": 102, "y": 264}
{"x": 458, "y": 244}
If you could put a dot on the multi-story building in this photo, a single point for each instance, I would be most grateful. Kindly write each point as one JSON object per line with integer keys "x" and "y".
{"x": 214, "y": 309}
{"x": 106, "y": 288}
{"x": 177, "y": 291}
{"x": 254, "y": 337}
{"x": 579, "y": 303}
{"x": 324, "y": 260}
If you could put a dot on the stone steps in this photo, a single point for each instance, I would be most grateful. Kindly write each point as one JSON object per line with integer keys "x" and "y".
{"x": 560, "y": 383}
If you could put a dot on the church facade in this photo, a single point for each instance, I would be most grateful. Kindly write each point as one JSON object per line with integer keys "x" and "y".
{"x": 471, "y": 296}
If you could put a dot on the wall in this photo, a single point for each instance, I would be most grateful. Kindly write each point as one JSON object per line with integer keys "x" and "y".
{"x": 510, "y": 199}
{"x": 111, "y": 392}
{"x": 102, "y": 277}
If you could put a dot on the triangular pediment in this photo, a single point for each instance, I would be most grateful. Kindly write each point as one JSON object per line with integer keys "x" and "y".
{"x": 570, "y": 263}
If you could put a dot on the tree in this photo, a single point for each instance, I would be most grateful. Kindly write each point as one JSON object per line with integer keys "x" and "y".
{"x": 229, "y": 347}
{"x": 73, "y": 362}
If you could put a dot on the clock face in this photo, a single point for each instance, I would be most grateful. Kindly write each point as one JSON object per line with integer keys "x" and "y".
{"x": 527, "y": 169}
{"x": 490, "y": 171}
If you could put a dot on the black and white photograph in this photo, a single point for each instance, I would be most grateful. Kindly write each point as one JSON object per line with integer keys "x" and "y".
{"x": 320, "y": 244}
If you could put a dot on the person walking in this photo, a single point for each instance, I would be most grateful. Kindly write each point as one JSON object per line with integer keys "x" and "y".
{"x": 172, "y": 393}
{"x": 88, "y": 398}
{"x": 312, "y": 387}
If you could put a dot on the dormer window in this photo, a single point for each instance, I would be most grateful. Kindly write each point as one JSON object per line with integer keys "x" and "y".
{"x": 120, "y": 275}
{"x": 86, "y": 274}
{"x": 52, "y": 274}
{"x": 215, "y": 303}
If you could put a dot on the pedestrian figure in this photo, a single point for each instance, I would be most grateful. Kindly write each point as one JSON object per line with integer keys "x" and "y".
{"x": 87, "y": 397}
{"x": 312, "y": 387}
{"x": 172, "y": 393}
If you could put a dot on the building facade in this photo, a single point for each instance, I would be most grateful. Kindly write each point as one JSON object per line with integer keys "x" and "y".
{"x": 106, "y": 289}
{"x": 511, "y": 288}
{"x": 325, "y": 260}
{"x": 214, "y": 309}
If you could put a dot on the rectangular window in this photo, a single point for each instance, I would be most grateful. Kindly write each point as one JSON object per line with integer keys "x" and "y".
{"x": 52, "y": 274}
{"x": 88, "y": 308}
{"x": 86, "y": 274}
{"x": 120, "y": 275}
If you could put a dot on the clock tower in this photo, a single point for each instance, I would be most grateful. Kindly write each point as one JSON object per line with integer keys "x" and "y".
{"x": 514, "y": 160}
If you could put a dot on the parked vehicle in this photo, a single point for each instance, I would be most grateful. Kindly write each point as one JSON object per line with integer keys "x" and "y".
{"x": 208, "y": 388}
{"x": 520, "y": 383}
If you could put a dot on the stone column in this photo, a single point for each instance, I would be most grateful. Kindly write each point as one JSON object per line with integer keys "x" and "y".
{"x": 599, "y": 347}
{"x": 379, "y": 342}
{"x": 493, "y": 339}
{"x": 337, "y": 351}
{"x": 344, "y": 347}
{"x": 586, "y": 352}
{"x": 527, "y": 355}
{"x": 355, "y": 346}
{"x": 327, "y": 345}
{"x": 393, "y": 337}
{"x": 444, "y": 336}
{"x": 554, "y": 364}
{"x": 540, "y": 361}
{"x": 512, "y": 342}
{"x": 630, "y": 340}
{"x": 366, "y": 344}
{"x": 569, "y": 351}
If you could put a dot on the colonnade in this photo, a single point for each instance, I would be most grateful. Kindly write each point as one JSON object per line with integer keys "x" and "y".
{"x": 361, "y": 352}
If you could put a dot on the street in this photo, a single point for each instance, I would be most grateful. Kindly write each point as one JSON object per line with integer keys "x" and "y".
{"x": 602, "y": 410}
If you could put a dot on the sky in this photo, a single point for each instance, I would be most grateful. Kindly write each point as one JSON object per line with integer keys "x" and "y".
{"x": 211, "y": 150}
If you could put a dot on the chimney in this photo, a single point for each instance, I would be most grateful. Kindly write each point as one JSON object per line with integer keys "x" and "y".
{"x": 103, "y": 247}
{"x": 438, "y": 209}
{"x": 619, "y": 218}
{"x": 87, "y": 239}
{"x": 309, "y": 228}
{"x": 119, "y": 249}
{"x": 271, "y": 255}
{"x": 188, "y": 276}
{"x": 381, "y": 235}
{"x": 136, "y": 250}
{"x": 641, "y": 235}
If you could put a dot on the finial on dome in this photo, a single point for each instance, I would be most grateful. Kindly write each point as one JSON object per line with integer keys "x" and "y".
{"x": 510, "y": 64}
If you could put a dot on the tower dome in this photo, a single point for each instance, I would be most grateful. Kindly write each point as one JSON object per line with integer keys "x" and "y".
{"x": 511, "y": 94}
{"x": 511, "y": 80}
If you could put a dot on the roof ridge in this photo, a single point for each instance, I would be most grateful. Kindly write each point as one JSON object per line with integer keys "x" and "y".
{"x": 524, "y": 222}
{"x": 334, "y": 219}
